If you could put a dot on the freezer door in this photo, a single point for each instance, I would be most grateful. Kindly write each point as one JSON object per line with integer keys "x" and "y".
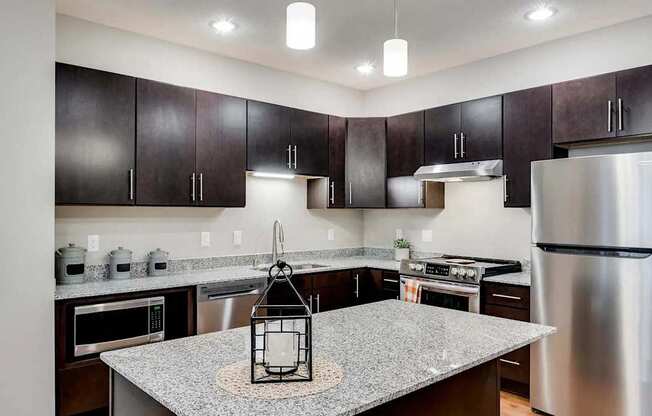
{"x": 601, "y": 201}
{"x": 600, "y": 360}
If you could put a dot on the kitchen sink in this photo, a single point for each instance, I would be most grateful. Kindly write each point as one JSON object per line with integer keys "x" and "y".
{"x": 295, "y": 267}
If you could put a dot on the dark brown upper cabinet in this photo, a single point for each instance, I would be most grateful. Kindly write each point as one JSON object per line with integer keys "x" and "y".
{"x": 527, "y": 137}
{"x": 309, "y": 140}
{"x": 407, "y": 192}
{"x": 95, "y": 137}
{"x": 405, "y": 134}
{"x": 365, "y": 163}
{"x": 465, "y": 132}
{"x": 268, "y": 138}
{"x": 442, "y": 131}
{"x": 584, "y": 109}
{"x": 165, "y": 144}
{"x": 634, "y": 103}
{"x": 336, "y": 161}
{"x": 221, "y": 150}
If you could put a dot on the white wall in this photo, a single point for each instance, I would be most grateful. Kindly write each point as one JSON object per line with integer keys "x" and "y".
{"x": 80, "y": 42}
{"x": 178, "y": 229}
{"x": 27, "y": 208}
{"x": 474, "y": 221}
{"x": 626, "y": 45}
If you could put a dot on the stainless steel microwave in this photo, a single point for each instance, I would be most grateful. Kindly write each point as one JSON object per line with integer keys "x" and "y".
{"x": 108, "y": 326}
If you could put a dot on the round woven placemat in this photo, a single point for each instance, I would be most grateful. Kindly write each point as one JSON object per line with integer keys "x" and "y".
{"x": 236, "y": 379}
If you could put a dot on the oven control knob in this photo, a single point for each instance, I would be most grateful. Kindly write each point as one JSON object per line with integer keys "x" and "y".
{"x": 461, "y": 273}
{"x": 413, "y": 266}
{"x": 454, "y": 271}
{"x": 418, "y": 267}
{"x": 470, "y": 273}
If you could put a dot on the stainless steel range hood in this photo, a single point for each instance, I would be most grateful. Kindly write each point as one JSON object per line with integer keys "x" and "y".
{"x": 461, "y": 172}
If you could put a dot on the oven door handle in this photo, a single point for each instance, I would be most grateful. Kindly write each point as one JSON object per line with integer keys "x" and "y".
{"x": 467, "y": 291}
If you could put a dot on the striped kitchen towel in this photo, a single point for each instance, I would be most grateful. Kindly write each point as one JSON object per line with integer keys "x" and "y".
{"x": 412, "y": 291}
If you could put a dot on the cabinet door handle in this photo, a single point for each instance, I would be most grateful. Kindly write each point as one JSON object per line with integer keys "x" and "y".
{"x": 201, "y": 186}
{"x": 462, "y": 139}
{"x": 502, "y": 360}
{"x": 419, "y": 194}
{"x": 505, "y": 194}
{"x": 620, "y": 114}
{"x": 496, "y": 295}
{"x": 289, "y": 156}
{"x": 350, "y": 193}
{"x": 357, "y": 286}
{"x": 193, "y": 192}
{"x": 609, "y": 112}
{"x": 131, "y": 184}
{"x": 317, "y": 302}
{"x": 332, "y": 193}
{"x": 295, "y": 157}
{"x": 310, "y": 300}
{"x": 455, "y": 144}
{"x": 390, "y": 280}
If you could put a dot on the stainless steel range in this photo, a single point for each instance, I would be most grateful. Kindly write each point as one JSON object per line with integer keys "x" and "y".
{"x": 453, "y": 281}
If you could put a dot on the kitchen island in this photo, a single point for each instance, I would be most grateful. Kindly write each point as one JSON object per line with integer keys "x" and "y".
{"x": 395, "y": 356}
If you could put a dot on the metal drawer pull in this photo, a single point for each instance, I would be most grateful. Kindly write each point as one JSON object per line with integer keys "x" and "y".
{"x": 462, "y": 138}
{"x": 357, "y": 286}
{"x": 390, "y": 280}
{"x": 620, "y": 114}
{"x": 290, "y": 156}
{"x": 295, "y": 157}
{"x": 505, "y": 296}
{"x": 509, "y": 362}
{"x": 332, "y": 192}
{"x": 201, "y": 186}
{"x": 193, "y": 179}
{"x": 131, "y": 184}
{"x": 455, "y": 143}
{"x": 350, "y": 193}
{"x": 609, "y": 111}
{"x": 310, "y": 300}
{"x": 505, "y": 195}
{"x": 317, "y": 302}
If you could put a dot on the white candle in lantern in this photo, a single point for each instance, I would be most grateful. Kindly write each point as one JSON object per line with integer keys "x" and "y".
{"x": 281, "y": 347}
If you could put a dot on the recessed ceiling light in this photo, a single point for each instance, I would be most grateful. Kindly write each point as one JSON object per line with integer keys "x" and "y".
{"x": 365, "y": 68}
{"x": 223, "y": 26}
{"x": 541, "y": 13}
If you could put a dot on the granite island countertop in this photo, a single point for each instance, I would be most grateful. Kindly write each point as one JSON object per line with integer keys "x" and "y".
{"x": 221, "y": 274}
{"x": 387, "y": 349}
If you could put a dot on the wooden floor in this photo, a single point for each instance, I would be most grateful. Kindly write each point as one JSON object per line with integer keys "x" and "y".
{"x": 512, "y": 405}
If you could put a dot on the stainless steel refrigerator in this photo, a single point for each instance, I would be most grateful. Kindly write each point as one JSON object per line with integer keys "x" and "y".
{"x": 592, "y": 279}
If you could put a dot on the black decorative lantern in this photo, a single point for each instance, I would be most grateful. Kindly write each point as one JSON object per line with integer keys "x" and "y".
{"x": 281, "y": 335}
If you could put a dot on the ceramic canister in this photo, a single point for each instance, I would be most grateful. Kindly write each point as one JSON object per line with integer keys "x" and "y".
{"x": 120, "y": 263}
{"x": 157, "y": 264}
{"x": 70, "y": 264}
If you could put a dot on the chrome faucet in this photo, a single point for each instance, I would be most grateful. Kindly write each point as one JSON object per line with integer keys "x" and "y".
{"x": 277, "y": 237}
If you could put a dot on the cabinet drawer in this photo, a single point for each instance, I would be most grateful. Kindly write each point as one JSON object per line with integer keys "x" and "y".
{"x": 515, "y": 366}
{"x": 507, "y": 295}
{"x": 507, "y": 312}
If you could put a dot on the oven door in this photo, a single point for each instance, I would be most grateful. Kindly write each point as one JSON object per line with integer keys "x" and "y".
{"x": 108, "y": 326}
{"x": 448, "y": 295}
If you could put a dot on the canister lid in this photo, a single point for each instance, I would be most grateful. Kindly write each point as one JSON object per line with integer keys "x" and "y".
{"x": 158, "y": 254}
{"x": 121, "y": 252}
{"x": 71, "y": 251}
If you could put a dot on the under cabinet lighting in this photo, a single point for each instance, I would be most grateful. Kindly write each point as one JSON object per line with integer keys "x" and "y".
{"x": 272, "y": 175}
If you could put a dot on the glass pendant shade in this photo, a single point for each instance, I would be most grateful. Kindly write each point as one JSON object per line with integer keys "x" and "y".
{"x": 395, "y": 58}
{"x": 300, "y": 26}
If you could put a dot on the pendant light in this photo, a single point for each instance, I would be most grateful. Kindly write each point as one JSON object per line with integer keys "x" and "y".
{"x": 300, "y": 26}
{"x": 395, "y": 52}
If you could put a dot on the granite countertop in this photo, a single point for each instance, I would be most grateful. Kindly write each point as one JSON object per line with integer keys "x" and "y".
{"x": 386, "y": 349}
{"x": 518, "y": 279}
{"x": 222, "y": 274}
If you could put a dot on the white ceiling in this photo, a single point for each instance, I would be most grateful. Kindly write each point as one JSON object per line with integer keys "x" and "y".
{"x": 441, "y": 33}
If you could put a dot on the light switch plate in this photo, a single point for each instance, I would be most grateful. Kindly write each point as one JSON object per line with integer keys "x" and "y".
{"x": 426, "y": 236}
{"x": 399, "y": 233}
{"x": 205, "y": 239}
{"x": 237, "y": 238}
{"x": 93, "y": 243}
{"x": 331, "y": 234}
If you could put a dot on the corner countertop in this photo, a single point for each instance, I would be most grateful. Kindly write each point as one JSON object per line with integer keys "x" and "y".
{"x": 387, "y": 349}
{"x": 222, "y": 274}
{"x": 519, "y": 279}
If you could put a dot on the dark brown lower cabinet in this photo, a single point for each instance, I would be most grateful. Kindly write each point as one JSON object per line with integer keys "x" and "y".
{"x": 510, "y": 302}
{"x": 82, "y": 383}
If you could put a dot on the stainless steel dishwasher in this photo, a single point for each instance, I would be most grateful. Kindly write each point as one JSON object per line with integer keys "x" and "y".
{"x": 226, "y": 305}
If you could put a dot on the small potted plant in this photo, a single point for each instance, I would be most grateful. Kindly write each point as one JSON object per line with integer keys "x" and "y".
{"x": 401, "y": 249}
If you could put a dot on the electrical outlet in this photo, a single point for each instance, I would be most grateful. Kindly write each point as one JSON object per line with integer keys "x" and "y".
{"x": 237, "y": 238}
{"x": 93, "y": 242}
{"x": 331, "y": 234}
{"x": 399, "y": 233}
{"x": 205, "y": 239}
{"x": 426, "y": 236}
